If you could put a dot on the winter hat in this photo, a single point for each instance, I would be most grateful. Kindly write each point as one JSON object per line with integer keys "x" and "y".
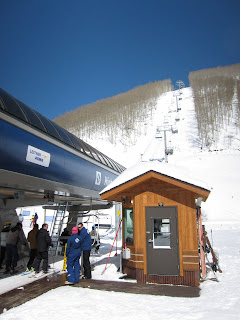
{"x": 74, "y": 230}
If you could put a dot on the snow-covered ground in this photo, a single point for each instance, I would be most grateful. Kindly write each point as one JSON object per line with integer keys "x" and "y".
{"x": 219, "y": 300}
{"x": 220, "y": 170}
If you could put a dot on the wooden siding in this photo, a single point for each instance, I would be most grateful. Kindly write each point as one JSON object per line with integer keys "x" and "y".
{"x": 187, "y": 228}
{"x": 136, "y": 259}
{"x": 190, "y": 260}
{"x": 149, "y": 190}
{"x": 189, "y": 278}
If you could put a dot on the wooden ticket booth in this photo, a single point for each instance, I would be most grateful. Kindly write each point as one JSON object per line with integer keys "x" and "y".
{"x": 159, "y": 226}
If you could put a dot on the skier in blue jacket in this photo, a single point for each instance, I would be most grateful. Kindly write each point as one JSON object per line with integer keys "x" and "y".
{"x": 86, "y": 245}
{"x": 73, "y": 253}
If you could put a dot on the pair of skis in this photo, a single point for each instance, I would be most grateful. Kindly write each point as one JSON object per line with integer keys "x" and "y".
{"x": 38, "y": 274}
{"x": 215, "y": 265}
{"x": 208, "y": 249}
{"x": 42, "y": 274}
{"x": 24, "y": 273}
{"x": 205, "y": 247}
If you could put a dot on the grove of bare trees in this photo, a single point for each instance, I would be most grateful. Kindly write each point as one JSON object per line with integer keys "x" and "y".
{"x": 118, "y": 116}
{"x": 217, "y": 96}
{"x": 121, "y": 117}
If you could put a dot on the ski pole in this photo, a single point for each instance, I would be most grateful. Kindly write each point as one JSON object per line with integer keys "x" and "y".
{"x": 112, "y": 247}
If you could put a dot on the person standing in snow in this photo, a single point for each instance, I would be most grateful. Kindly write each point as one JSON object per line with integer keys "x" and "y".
{"x": 4, "y": 235}
{"x": 35, "y": 218}
{"x": 32, "y": 221}
{"x": 95, "y": 238}
{"x": 64, "y": 239}
{"x": 32, "y": 239}
{"x": 73, "y": 253}
{"x": 15, "y": 235}
{"x": 43, "y": 242}
{"x": 86, "y": 245}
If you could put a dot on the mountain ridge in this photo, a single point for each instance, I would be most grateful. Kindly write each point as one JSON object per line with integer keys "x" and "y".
{"x": 206, "y": 115}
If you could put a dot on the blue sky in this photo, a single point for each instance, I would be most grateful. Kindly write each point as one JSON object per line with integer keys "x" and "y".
{"x": 57, "y": 55}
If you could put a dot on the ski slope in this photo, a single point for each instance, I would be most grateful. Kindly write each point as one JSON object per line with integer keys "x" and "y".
{"x": 221, "y": 215}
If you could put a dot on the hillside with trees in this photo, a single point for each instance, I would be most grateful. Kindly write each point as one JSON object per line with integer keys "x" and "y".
{"x": 122, "y": 118}
{"x": 216, "y": 97}
{"x": 119, "y": 115}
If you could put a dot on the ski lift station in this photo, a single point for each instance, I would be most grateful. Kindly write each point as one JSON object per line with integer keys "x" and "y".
{"x": 42, "y": 164}
{"x": 160, "y": 232}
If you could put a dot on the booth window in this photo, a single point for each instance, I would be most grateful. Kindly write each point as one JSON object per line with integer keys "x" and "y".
{"x": 128, "y": 226}
{"x": 161, "y": 234}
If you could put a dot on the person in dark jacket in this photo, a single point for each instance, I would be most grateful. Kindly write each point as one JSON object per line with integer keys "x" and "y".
{"x": 4, "y": 235}
{"x": 43, "y": 242}
{"x": 35, "y": 218}
{"x": 73, "y": 253}
{"x": 32, "y": 239}
{"x": 15, "y": 235}
{"x": 64, "y": 239}
{"x": 86, "y": 245}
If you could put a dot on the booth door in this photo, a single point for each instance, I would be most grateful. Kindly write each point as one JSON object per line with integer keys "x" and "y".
{"x": 162, "y": 241}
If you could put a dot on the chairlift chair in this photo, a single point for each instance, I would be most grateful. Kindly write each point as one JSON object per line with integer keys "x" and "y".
{"x": 174, "y": 129}
{"x": 169, "y": 151}
{"x": 158, "y": 136}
